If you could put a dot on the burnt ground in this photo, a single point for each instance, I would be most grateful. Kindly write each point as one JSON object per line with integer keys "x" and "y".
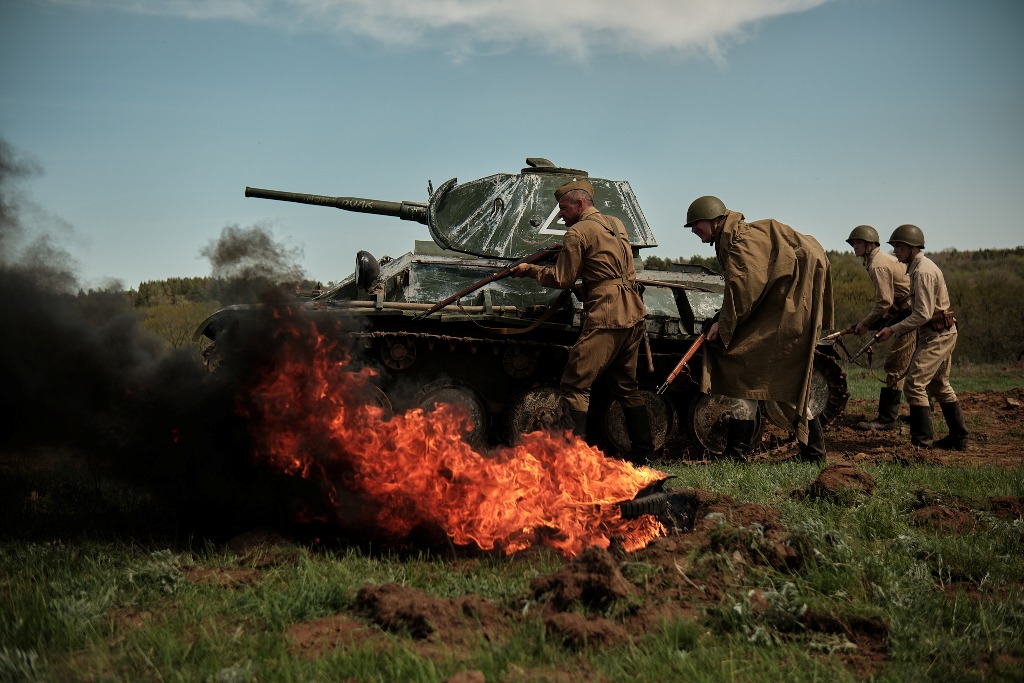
{"x": 600, "y": 599}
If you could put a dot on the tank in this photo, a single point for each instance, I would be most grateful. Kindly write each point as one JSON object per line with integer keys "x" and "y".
{"x": 499, "y": 350}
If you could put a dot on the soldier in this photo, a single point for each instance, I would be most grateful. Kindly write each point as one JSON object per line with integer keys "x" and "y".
{"x": 928, "y": 375}
{"x": 778, "y": 296}
{"x": 597, "y": 250}
{"x": 892, "y": 297}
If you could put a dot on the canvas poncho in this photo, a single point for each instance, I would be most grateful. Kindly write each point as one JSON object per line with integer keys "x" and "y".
{"x": 778, "y": 297}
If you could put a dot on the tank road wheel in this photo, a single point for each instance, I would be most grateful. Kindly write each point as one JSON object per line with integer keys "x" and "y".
{"x": 519, "y": 362}
{"x": 829, "y": 393}
{"x": 398, "y": 354}
{"x": 457, "y": 394}
{"x": 371, "y": 394}
{"x": 536, "y": 408}
{"x": 707, "y": 423}
{"x": 659, "y": 411}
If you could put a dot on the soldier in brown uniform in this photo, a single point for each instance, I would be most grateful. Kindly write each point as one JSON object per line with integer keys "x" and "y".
{"x": 892, "y": 297}
{"x": 928, "y": 376}
{"x": 778, "y": 296}
{"x": 597, "y": 250}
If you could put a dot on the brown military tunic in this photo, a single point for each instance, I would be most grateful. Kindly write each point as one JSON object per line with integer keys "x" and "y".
{"x": 929, "y": 368}
{"x": 892, "y": 294}
{"x": 778, "y": 297}
{"x": 597, "y": 251}
{"x": 892, "y": 285}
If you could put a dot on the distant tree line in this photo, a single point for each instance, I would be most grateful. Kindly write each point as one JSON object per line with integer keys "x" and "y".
{"x": 986, "y": 289}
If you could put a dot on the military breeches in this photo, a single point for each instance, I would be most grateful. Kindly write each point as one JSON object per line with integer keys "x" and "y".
{"x": 612, "y": 353}
{"x": 929, "y": 370}
{"x": 897, "y": 360}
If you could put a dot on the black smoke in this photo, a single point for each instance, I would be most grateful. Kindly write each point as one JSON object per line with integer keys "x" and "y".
{"x": 248, "y": 264}
{"x": 84, "y": 383}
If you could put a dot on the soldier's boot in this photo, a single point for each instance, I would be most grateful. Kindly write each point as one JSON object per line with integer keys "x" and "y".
{"x": 738, "y": 437}
{"x": 638, "y": 427}
{"x": 956, "y": 440}
{"x": 579, "y": 423}
{"x": 888, "y": 411}
{"x": 814, "y": 449}
{"x": 921, "y": 426}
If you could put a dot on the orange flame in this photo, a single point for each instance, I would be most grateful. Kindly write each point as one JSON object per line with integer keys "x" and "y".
{"x": 415, "y": 469}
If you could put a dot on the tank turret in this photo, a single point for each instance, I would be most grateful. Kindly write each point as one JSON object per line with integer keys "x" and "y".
{"x": 505, "y": 215}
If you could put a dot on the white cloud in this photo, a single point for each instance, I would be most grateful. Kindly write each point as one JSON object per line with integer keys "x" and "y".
{"x": 574, "y": 27}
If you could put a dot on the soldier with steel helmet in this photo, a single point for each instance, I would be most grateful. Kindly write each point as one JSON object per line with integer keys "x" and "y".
{"x": 928, "y": 375}
{"x": 892, "y": 298}
{"x": 597, "y": 251}
{"x": 778, "y": 297}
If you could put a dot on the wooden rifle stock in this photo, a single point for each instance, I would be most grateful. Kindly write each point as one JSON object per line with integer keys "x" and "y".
{"x": 682, "y": 365}
{"x": 493, "y": 277}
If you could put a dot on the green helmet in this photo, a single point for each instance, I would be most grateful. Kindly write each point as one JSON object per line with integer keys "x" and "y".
{"x": 863, "y": 232}
{"x": 908, "y": 234}
{"x": 704, "y": 208}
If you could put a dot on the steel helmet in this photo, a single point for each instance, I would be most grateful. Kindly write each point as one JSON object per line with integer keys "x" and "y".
{"x": 908, "y": 234}
{"x": 704, "y": 208}
{"x": 863, "y": 232}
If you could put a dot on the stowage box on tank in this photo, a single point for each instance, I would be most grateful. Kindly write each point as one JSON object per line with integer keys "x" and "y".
{"x": 499, "y": 351}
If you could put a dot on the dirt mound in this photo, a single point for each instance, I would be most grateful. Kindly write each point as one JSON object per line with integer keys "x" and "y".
{"x": 839, "y": 483}
{"x": 939, "y": 517}
{"x": 1007, "y": 507}
{"x": 592, "y": 580}
{"x": 411, "y": 612}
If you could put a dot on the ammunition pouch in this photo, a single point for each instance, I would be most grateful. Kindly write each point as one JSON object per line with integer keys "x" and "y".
{"x": 942, "y": 321}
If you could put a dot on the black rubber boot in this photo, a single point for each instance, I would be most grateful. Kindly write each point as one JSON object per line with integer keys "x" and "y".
{"x": 921, "y": 434}
{"x": 888, "y": 411}
{"x": 638, "y": 427}
{"x": 814, "y": 449}
{"x": 738, "y": 437}
{"x": 579, "y": 423}
{"x": 956, "y": 440}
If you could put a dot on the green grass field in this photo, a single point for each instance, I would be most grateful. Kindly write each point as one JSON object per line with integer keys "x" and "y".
{"x": 865, "y": 382}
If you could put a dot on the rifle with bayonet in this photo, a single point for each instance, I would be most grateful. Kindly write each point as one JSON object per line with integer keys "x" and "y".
{"x": 886, "y": 322}
{"x": 535, "y": 257}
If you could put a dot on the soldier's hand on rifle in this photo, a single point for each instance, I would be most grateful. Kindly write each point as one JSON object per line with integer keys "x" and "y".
{"x": 521, "y": 270}
{"x": 711, "y": 334}
{"x": 884, "y": 333}
{"x": 860, "y": 329}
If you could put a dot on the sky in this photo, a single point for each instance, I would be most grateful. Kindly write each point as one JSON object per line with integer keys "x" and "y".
{"x": 139, "y": 123}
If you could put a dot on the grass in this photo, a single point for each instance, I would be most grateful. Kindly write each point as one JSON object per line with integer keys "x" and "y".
{"x": 92, "y": 608}
{"x": 865, "y": 382}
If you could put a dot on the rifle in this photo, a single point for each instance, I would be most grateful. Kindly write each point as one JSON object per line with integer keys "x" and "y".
{"x": 681, "y": 365}
{"x": 837, "y": 335}
{"x": 886, "y": 322}
{"x": 493, "y": 277}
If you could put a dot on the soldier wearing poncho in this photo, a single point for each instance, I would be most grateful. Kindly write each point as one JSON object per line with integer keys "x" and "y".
{"x": 597, "y": 251}
{"x": 778, "y": 297}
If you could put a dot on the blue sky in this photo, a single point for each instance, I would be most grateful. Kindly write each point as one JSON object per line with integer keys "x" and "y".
{"x": 147, "y": 118}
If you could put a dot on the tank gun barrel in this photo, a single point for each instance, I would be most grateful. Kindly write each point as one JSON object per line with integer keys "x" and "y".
{"x": 407, "y": 211}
